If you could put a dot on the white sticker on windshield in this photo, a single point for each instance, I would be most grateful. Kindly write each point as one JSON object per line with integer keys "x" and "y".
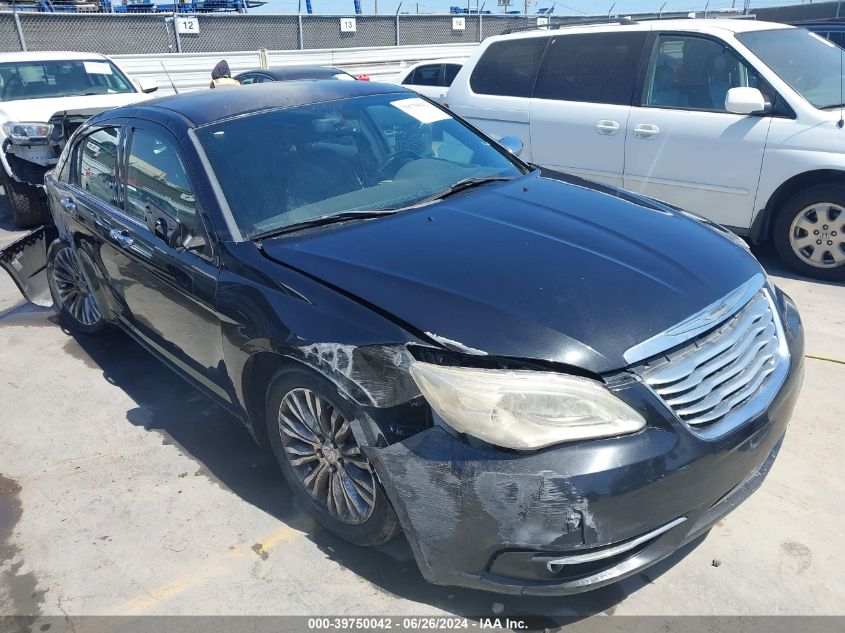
{"x": 97, "y": 68}
{"x": 421, "y": 110}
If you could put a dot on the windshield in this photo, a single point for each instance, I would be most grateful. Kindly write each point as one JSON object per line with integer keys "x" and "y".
{"x": 364, "y": 154}
{"x": 809, "y": 63}
{"x": 60, "y": 78}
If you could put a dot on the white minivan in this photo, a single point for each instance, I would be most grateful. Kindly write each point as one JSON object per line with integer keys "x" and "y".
{"x": 737, "y": 120}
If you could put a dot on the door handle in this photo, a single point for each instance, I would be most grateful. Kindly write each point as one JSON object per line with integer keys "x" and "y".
{"x": 607, "y": 127}
{"x": 646, "y": 130}
{"x": 121, "y": 237}
{"x": 68, "y": 204}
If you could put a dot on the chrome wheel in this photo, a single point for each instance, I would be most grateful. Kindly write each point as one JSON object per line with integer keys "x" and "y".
{"x": 323, "y": 454}
{"x": 817, "y": 235}
{"x": 71, "y": 288}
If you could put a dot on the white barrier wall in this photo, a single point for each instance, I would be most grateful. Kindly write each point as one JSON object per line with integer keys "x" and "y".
{"x": 192, "y": 71}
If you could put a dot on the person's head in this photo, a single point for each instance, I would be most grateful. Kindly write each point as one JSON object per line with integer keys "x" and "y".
{"x": 221, "y": 70}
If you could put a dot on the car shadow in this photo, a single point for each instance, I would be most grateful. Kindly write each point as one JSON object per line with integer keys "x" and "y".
{"x": 226, "y": 454}
{"x": 766, "y": 255}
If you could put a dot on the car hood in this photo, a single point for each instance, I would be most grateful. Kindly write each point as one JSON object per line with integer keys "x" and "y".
{"x": 38, "y": 110}
{"x": 534, "y": 268}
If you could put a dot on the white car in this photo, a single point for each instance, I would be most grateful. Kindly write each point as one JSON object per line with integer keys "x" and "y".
{"x": 431, "y": 79}
{"x": 44, "y": 97}
{"x": 738, "y": 121}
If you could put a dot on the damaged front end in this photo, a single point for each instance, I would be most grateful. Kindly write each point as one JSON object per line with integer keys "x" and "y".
{"x": 25, "y": 260}
{"x": 574, "y": 515}
{"x": 31, "y": 149}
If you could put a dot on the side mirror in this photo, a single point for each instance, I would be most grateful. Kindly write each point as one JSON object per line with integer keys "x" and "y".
{"x": 147, "y": 85}
{"x": 513, "y": 144}
{"x": 745, "y": 101}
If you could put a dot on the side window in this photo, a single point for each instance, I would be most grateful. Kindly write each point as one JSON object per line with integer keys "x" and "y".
{"x": 452, "y": 71}
{"x": 246, "y": 80}
{"x": 694, "y": 73}
{"x": 508, "y": 68}
{"x": 591, "y": 67}
{"x": 424, "y": 76}
{"x": 96, "y": 162}
{"x": 156, "y": 178}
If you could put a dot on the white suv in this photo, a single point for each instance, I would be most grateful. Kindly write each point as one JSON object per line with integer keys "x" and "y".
{"x": 44, "y": 97}
{"x": 736, "y": 120}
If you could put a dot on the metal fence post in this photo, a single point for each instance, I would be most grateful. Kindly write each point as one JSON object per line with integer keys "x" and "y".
{"x": 397, "y": 24}
{"x": 480, "y": 28}
{"x": 18, "y": 27}
{"x": 301, "y": 38}
{"x": 176, "y": 33}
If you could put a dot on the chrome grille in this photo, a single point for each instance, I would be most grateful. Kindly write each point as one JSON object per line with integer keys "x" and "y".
{"x": 715, "y": 376}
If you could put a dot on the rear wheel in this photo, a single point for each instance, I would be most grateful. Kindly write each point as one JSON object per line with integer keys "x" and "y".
{"x": 71, "y": 292}
{"x": 809, "y": 232}
{"x": 309, "y": 423}
{"x": 27, "y": 203}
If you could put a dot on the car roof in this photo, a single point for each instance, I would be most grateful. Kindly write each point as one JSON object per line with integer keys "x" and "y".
{"x": 693, "y": 25}
{"x": 207, "y": 106}
{"x": 46, "y": 56}
{"x": 287, "y": 73}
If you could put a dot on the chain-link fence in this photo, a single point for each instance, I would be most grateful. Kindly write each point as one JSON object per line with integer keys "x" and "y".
{"x": 242, "y": 33}
{"x": 127, "y": 34}
{"x": 348, "y": 32}
{"x": 116, "y": 34}
{"x": 439, "y": 29}
{"x": 9, "y": 40}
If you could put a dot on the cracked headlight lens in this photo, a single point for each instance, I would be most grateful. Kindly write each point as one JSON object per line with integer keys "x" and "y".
{"x": 523, "y": 409}
{"x": 28, "y": 133}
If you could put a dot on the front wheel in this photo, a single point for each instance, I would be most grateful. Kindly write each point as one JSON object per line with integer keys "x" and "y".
{"x": 809, "y": 232}
{"x": 308, "y": 421}
{"x": 71, "y": 291}
{"x": 27, "y": 203}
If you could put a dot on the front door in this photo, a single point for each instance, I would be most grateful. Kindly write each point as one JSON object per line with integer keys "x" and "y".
{"x": 683, "y": 147}
{"x": 166, "y": 293}
{"x": 581, "y": 103}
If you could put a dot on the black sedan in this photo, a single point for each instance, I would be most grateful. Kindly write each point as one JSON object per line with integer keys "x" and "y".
{"x": 294, "y": 73}
{"x": 546, "y": 384}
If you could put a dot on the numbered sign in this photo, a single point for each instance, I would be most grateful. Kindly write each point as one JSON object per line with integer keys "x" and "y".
{"x": 459, "y": 24}
{"x": 347, "y": 25}
{"x": 542, "y": 21}
{"x": 187, "y": 26}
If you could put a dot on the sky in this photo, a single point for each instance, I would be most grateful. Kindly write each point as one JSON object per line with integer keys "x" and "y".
{"x": 567, "y": 7}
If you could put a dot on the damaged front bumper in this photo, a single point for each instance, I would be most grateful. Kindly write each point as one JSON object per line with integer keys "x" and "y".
{"x": 580, "y": 516}
{"x": 25, "y": 260}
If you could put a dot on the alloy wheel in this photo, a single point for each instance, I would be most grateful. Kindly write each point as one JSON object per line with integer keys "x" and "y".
{"x": 817, "y": 235}
{"x": 323, "y": 453}
{"x": 72, "y": 288}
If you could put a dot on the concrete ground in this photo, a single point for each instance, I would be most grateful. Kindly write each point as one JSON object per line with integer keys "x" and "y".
{"x": 124, "y": 491}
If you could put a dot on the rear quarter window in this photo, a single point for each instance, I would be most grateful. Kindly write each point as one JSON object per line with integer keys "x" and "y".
{"x": 508, "y": 68}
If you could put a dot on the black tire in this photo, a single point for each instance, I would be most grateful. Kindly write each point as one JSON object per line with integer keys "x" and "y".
{"x": 27, "y": 203}
{"x": 794, "y": 222}
{"x": 66, "y": 285}
{"x": 381, "y": 524}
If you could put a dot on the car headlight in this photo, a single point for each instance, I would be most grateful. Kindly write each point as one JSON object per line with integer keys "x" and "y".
{"x": 523, "y": 409}
{"x": 28, "y": 133}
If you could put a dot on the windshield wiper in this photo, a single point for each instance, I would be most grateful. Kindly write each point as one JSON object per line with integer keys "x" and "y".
{"x": 323, "y": 221}
{"x": 462, "y": 185}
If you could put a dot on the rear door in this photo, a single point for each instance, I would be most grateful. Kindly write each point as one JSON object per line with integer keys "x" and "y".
{"x": 683, "y": 146}
{"x": 166, "y": 292}
{"x": 497, "y": 94}
{"x": 582, "y": 100}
